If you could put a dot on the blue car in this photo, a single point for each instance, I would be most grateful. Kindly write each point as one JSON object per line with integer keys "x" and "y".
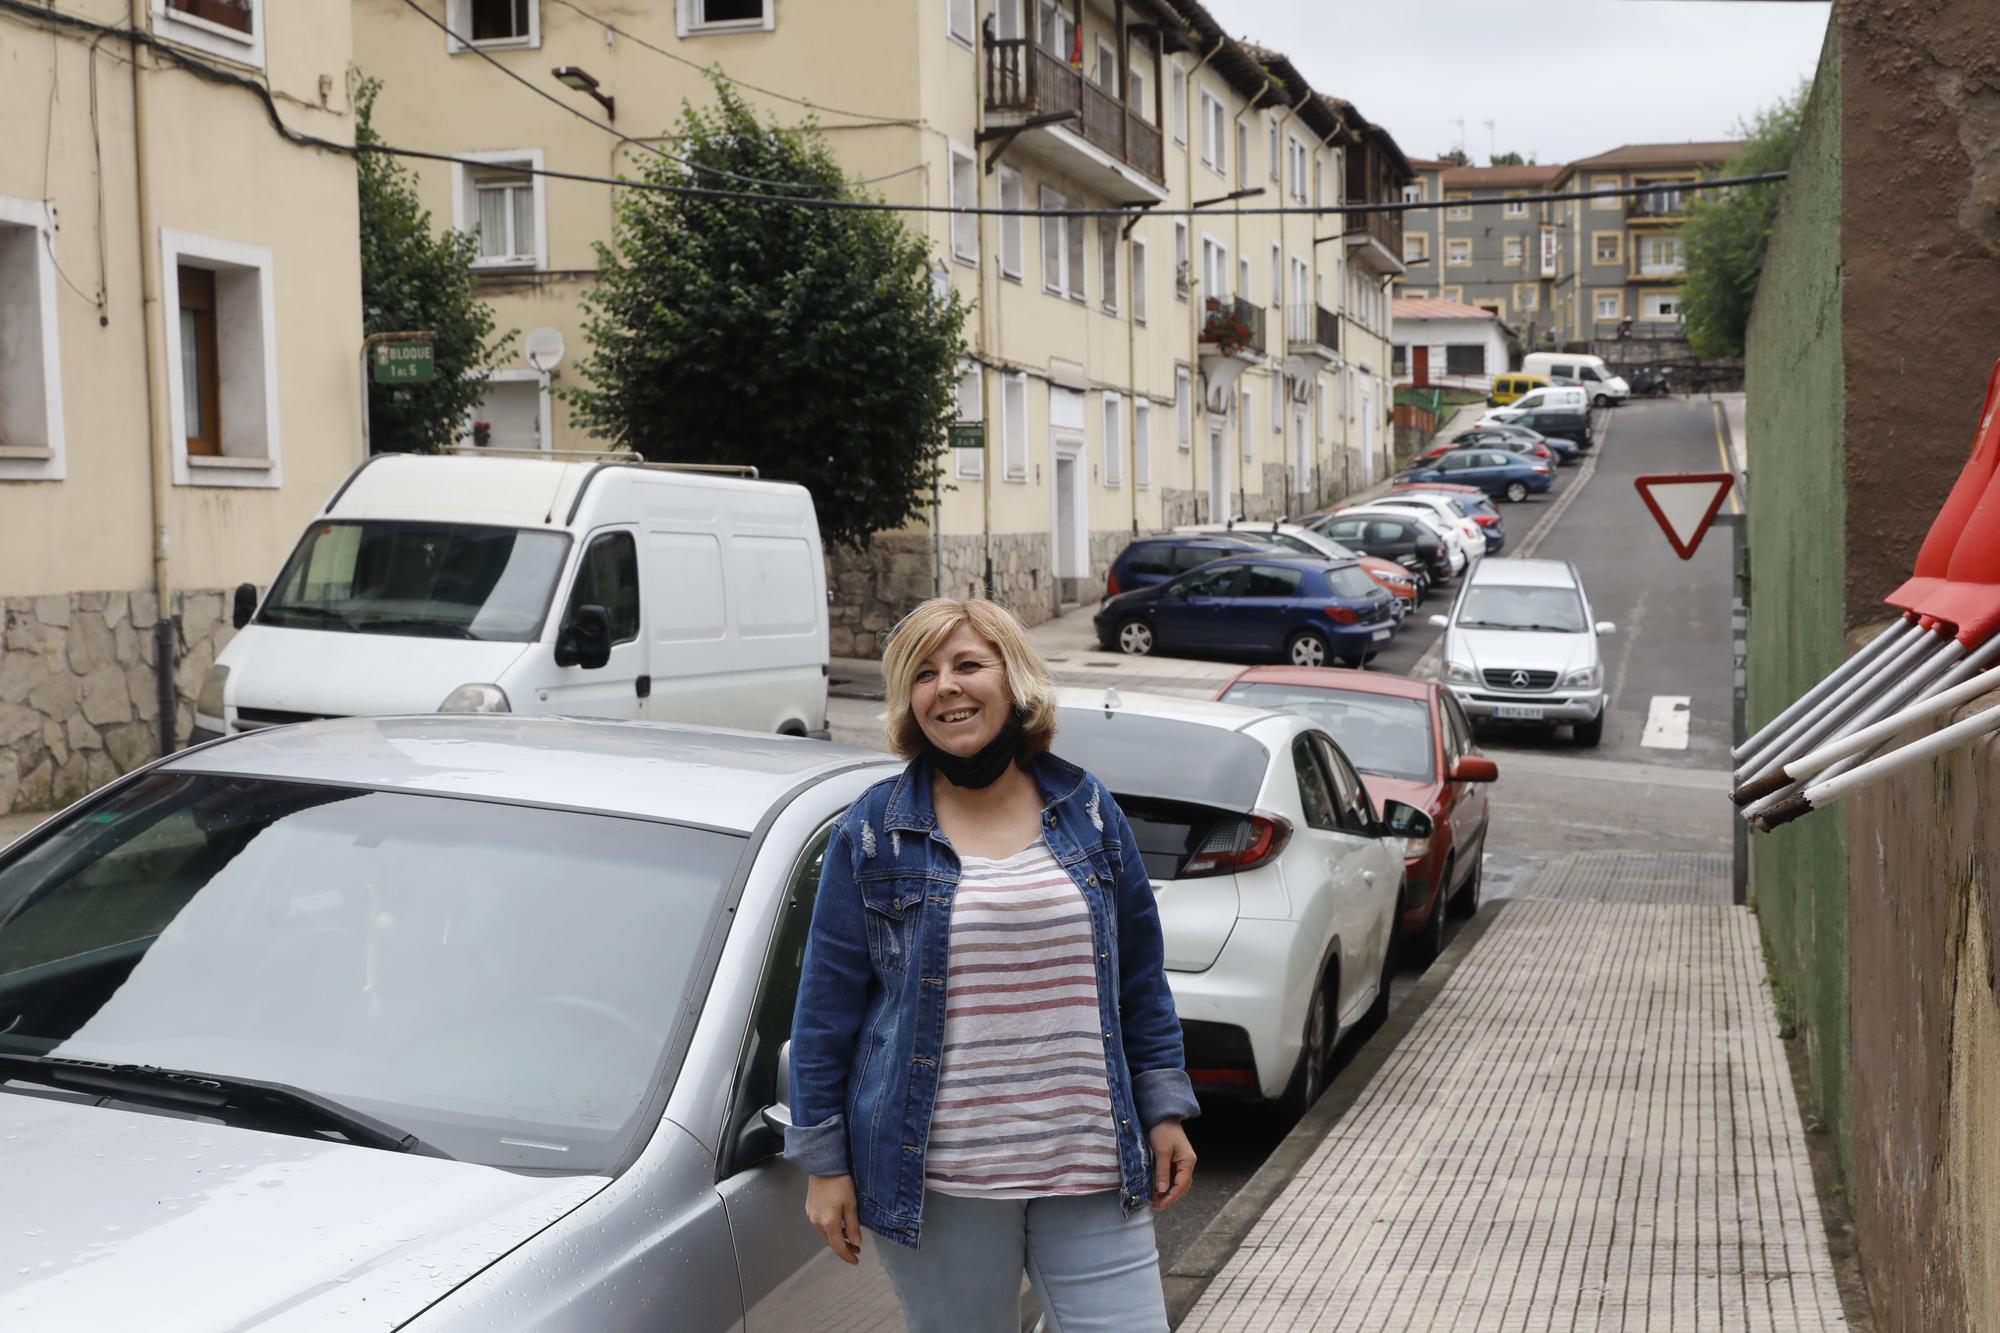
{"x": 1501, "y": 475}
{"x": 1154, "y": 560}
{"x": 1305, "y": 610}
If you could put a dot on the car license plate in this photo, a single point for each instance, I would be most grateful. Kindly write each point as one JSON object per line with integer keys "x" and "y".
{"x": 1380, "y": 634}
{"x": 1518, "y": 712}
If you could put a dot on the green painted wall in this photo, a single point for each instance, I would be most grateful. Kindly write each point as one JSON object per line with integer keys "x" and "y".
{"x": 1797, "y": 523}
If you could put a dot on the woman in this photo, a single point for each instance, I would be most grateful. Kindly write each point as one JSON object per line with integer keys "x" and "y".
{"x": 986, "y": 1065}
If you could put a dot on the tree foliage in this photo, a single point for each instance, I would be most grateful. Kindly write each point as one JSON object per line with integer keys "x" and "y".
{"x": 810, "y": 342}
{"x": 415, "y": 279}
{"x": 1454, "y": 157}
{"x": 1510, "y": 160}
{"x": 1727, "y": 232}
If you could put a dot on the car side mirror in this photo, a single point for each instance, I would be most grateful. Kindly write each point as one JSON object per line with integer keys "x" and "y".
{"x": 1442, "y": 622}
{"x": 246, "y": 604}
{"x": 778, "y": 1115}
{"x": 1606, "y": 627}
{"x": 585, "y": 641}
{"x": 1406, "y": 821}
{"x": 1475, "y": 768}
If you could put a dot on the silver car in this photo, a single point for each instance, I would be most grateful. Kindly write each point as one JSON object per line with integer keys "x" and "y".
{"x": 441, "y": 1023}
{"x": 1520, "y": 646}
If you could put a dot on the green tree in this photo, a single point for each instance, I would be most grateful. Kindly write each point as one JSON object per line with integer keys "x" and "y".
{"x": 810, "y": 342}
{"x": 412, "y": 279}
{"x": 1454, "y": 158}
{"x": 1727, "y": 232}
{"x": 1510, "y": 160}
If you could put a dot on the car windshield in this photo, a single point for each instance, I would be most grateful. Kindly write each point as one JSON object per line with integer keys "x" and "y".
{"x": 1123, "y": 750}
{"x": 1380, "y": 733}
{"x": 1350, "y": 581}
{"x": 502, "y": 981}
{"x": 432, "y": 580}
{"x": 1507, "y": 606}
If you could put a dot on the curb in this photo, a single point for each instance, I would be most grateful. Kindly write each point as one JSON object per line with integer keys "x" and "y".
{"x": 1203, "y": 1261}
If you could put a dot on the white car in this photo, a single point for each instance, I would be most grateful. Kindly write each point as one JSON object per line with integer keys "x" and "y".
{"x": 1454, "y": 541}
{"x": 1462, "y": 528}
{"x": 1277, "y": 880}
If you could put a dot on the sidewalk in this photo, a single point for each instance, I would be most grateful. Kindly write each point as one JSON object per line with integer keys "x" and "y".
{"x": 1590, "y": 1124}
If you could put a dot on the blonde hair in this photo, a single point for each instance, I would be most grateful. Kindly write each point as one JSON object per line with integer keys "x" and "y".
{"x": 929, "y": 625}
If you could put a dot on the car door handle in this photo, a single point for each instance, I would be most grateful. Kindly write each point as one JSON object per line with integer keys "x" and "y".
{"x": 1367, "y": 877}
{"x": 643, "y": 687}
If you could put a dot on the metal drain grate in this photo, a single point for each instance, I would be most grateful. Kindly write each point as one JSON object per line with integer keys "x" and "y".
{"x": 1696, "y": 878}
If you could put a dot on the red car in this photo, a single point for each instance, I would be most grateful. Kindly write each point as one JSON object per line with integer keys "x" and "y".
{"x": 1411, "y": 742}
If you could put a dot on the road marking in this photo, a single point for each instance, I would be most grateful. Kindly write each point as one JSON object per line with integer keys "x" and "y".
{"x": 1667, "y": 722}
{"x": 1735, "y": 499}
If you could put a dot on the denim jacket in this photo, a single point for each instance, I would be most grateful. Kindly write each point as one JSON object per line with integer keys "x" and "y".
{"x": 869, "y": 1029}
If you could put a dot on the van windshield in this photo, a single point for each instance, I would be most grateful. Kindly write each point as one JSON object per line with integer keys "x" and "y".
{"x": 431, "y": 580}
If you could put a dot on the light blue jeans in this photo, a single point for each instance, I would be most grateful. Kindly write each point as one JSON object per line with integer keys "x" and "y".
{"x": 1095, "y": 1269}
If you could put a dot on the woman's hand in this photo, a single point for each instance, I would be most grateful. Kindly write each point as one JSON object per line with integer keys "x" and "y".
{"x": 830, "y": 1207}
{"x": 1173, "y": 1163}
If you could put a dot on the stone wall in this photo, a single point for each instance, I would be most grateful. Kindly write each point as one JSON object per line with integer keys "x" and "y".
{"x": 79, "y": 695}
{"x": 1182, "y": 507}
{"x": 876, "y": 587}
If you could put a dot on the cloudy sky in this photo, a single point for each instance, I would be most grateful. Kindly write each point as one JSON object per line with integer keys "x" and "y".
{"x": 1560, "y": 79}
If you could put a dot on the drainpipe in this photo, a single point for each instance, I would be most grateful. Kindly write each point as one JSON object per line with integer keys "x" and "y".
{"x": 158, "y": 429}
{"x": 1196, "y": 385}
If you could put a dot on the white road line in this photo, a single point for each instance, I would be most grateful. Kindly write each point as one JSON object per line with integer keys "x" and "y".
{"x": 1667, "y": 722}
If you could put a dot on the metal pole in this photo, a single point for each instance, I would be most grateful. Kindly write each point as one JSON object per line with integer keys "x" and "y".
{"x": 1809, "y": 730}
{"x": 1840, "y": 675}
{"x": 1824, "y": 793}
{"x": 1859, "y": 742}
{"x": 1739, "y": 649}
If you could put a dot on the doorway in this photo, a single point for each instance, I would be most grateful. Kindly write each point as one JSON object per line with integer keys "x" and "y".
{"x": 1367, "y": 438}
{"x": 1218, "y": 470}
{"x": 1420, "y": 365}
{"x": 1072, "y": 538}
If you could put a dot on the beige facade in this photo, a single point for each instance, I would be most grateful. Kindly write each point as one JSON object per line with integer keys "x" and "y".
{"x": 180, "y": 332}
{"x": 1106, "y": 410}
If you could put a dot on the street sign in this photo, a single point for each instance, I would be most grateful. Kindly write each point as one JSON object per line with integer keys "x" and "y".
{"x": 968, "y": 435}
{"x": 1684, "y": 504}
{"x": 403, "y": 363}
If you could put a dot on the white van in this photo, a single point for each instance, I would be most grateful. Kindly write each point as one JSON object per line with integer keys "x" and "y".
{"x": 1561, "y": 397}
{"x": 531, "y": 585}
{"x": 1589, "y": 372}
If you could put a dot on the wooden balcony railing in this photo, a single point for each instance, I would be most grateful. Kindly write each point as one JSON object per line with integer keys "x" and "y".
{"x": 1384, "y": 227}
{"x": 1022, "y": 77}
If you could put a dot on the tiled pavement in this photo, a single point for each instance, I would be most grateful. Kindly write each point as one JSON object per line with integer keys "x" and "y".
{"x": 1591, "y": 1127}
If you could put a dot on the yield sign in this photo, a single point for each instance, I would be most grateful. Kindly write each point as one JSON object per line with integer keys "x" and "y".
{"x": 1684, "y": 503}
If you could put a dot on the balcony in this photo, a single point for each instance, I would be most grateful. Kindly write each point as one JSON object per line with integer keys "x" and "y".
{"x": 1658, "y": 206}
{"x": 1232, "y": 341}
{"x": 1375, "y": 241}
{"x": 1041, "y": 102}
{"x": 1312, "y": 340}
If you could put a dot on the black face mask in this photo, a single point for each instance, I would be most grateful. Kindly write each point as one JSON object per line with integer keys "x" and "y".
{"x": 983, "y": 767}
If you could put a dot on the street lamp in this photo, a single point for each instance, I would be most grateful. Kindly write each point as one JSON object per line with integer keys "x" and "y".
{"x": 570, "y": 76}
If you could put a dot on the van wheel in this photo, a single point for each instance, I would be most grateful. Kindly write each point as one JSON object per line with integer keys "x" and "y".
{"x": 1516, "y": 491}
{"x": 1308, "y": 648}
{"x": 1602, "y": 400}
{"x": 1135, "y": 637}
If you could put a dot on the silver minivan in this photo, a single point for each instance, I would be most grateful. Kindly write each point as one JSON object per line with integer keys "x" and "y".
{"x": 437, "y": 1023}
{"x": 1520, "y": 645}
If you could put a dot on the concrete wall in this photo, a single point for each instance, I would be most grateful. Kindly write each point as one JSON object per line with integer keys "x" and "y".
{"x": 1797, "y": 514}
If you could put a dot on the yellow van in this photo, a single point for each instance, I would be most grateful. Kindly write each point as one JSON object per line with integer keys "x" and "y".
{"x": 1506, "y": 388}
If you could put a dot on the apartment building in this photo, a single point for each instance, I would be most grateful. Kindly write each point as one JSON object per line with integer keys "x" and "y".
{"x": 1489, "y": 247}
{"x": 1201, "y": 360}
{"x": 1619, "y": 259}
{"x": 180, "y": 338}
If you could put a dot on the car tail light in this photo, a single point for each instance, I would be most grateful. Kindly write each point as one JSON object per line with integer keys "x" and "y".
{"x": 1111, "y": 584}
{"x": 1486, "y": 520}
{"x": 1242, "y": 843}
{"x": 1342, "y": 615}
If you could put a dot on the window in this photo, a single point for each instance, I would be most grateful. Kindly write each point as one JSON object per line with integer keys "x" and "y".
{"x": 232, "y": 29}
{"x": 509, "y": 22}
{"x": 1296, "y": 149}
{"x": 1008, "y": 13}
{"x": 31, "y": 417}
{"x": 1062, "y": 249}
{"x": 1010, "y": 226}
{"x": 235, "y": 15}
{"x": 1527, "y": 297}
{"x": 1245, "y": 414}
{"x": 1315, "y": 793}
{"x": 1179, "y": 88}
{"x": 1516, "y": 251}
{"x": 1141, "y": 105}
{"x": 1181, "y": 271}
{"x": 1609, "y": 203}
{"x": 1056, "y": 30}
{"x": 1114, "y": 441}
{"x": 700, "y": 16}
{"x": 964, "y": 194}
{"x": 1458, "y": 212}
{"x": 1014, "y": 427}
{"x": 958, "y": 20}
{"x": 222, "y": 394}
{"x": 1660, "y": 305}
{"x": 1183, "y": 409}
{"x": 1413, "y": 193}
{"x": 1302, "y": 315}
{"x": 1415, "y": 293}
{"x": 1277, "y": 402}
{"x": 971, "y": 407}
{"x": 1661, "y": 256}
{"x": 1458, "y": 252}
{"x": 1319, "y": 413}
{"x": 1277, "y": 276}
{"x": 1515, "y": 207}
{"x": 1352, "y": 807}
{"x": 1277, "y": 161}
{"x": 1271, "y": 581}
{"x": 1214, "y": 134}
{"x": 1107, "y": 262}
{"x": 1138, "y": 280}
{"x": 1610, "y": 305}
{"x": 1107, "y": 67}
{"x": 504, "y": 206}
{"x": 1464, "y": 359}
{"x": 1608, "y": 247}
{"x": 1416, "y": 247}
{"x": 1243, "y": 276}
{"x": 608, "y": 576}
{"x": 1142, "y": 444}
{"x": 1214, "y": 269}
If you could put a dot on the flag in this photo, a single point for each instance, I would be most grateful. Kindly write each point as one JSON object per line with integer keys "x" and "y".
{"x": 1076, "y": 46}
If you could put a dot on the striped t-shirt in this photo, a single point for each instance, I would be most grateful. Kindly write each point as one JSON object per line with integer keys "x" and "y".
{"x": 1023, "y": 1106}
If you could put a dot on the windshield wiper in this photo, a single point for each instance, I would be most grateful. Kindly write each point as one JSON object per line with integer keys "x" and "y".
{"x": 243, "y": 1102}
{"x": 395, "y": 623}
{"x": 322, "y": 612}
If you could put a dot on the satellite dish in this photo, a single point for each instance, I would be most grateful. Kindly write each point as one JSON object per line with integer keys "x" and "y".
{"x": 544, "y": 347}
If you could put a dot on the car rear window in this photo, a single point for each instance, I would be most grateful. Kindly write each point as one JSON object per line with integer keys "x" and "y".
{"x": 1349, "y": 581}
{"x": 1379, "y": 733}
{"x": 1139, "y": 756}
{"x": 1151, "y": 558}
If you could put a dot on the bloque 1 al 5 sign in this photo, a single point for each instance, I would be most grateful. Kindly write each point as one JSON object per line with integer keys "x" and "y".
{"x": 404, "y": 363}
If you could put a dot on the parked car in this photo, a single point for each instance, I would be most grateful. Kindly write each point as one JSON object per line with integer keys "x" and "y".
{"x": 1556, "y": 423}
{"x": 1541, "y": 451}
{"x": 500, "y": 584}
{"x": 1501, "y": 475}
{"x": 1456, "y": 549}
{"x": 1652, "y": 381}
{"x": 1471, "y": 499}
{"x": 1277, "y": 879}
{"x": 1520, "y": 646}
{"x": 1589, "y": 372}
{"x": 1401, "y": 537}
{"x": 1411, "y": 742}
{"x": 1448, "y": 513}
{"x": 1306, "y": 610}
{"x": 431, "y": 1023}
{"x": 1403, "y": 585}
{"x": 1506, "y": 388}
{"x": 1552, "y": 395}
{"x": 1154, "y": 560}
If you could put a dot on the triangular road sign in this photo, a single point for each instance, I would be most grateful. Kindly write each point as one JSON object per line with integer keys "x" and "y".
{"x": 1685, "y": 503}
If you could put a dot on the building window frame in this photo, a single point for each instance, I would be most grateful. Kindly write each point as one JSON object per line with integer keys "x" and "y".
{"x": 1139, "y": 279}
{"x": 1458, "y": 206}
{"x": 1273, "y": 151}
{"x": 459, "y": 18}
{"x": 1014, "y": 427}
{"x": 1514, "y": 251}
{"x": 1609, "y": 203}
{"x": 1458, "y": 252}
{"x": 1617, "y": 255}
{"x": 1112, "y": 439}
{"x": 1420, "y": 243}
{"x": 1183, "y": 260}
{"x": 1142, "y": 443}
{"x": 32, "y": 450}
{"x": 1013, "y": 227}
{"x": 1413, "y": 193}
{"x": 959, "y": 21}
{"x": 1648, "y": 314}
{"x": 1515, "y": 205}
{"x": 961, "y": 175}
{"x": 246, "y": 370}
{"x": 1454, "y": 292}
{"x": 1177, "y": 87}
{"x": 1527, "y": 298}
{"x": 1616, "y": 296}
{"x": 1183, "y": 409}
{"x": 689, "y": 23}
{"x": 1107, "y": 264}
{"x": 1214, "y": 133}
{"x": 465, "y": 203}
{"x": 184, "y": 28}
{"x": 1246, "y": 422}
